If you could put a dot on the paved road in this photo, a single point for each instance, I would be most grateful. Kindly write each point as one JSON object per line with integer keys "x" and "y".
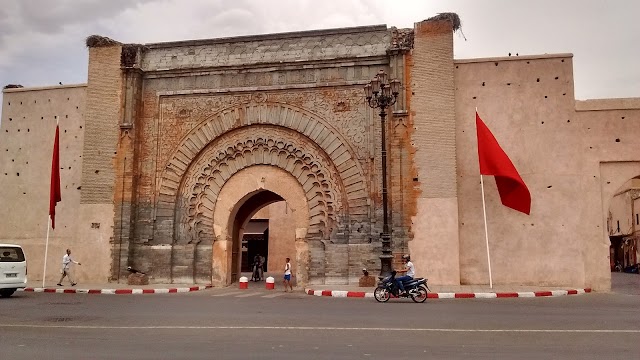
{"x": 623, "y": 283}
{"x": 228, "y": 324}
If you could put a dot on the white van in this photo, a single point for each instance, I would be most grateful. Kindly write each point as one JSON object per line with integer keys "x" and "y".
{"x": 13, "y": 269}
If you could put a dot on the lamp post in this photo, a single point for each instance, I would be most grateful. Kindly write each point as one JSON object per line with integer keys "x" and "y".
{"x": 381, "y": 94}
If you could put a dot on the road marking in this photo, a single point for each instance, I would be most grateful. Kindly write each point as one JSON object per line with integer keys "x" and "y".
{"x": 321, "y": 328}
{"x": 249, "y": 294}
{"x": 229, "y": 293}
{"x": 274, "y": 295}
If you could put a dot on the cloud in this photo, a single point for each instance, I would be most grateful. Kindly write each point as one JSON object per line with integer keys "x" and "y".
{"x": 43, "y": 47}
{"x": 39, "y": 46}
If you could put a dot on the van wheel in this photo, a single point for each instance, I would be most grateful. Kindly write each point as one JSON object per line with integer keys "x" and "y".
{"x": 7, "y": 292}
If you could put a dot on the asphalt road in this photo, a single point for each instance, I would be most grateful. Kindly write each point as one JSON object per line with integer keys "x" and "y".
{"x": 218, "y": 324}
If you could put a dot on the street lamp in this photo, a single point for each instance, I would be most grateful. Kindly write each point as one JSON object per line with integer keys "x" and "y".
{"x": 381, "y": 94}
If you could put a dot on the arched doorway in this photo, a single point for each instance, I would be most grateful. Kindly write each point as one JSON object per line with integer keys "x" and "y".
{"x": 240, "y": 198}
{"x": 255, "y": 202}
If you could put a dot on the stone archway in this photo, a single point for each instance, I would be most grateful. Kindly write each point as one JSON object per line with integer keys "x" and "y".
{"x": 239, "y": 199}
{"x": 309, "y": 132}
{"x": 260, "y": 145}
{"x": 274, "y": 134}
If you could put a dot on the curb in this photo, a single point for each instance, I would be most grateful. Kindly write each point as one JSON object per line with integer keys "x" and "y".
{"x": 115, "y": 291}
{"x": 450, "y": 295}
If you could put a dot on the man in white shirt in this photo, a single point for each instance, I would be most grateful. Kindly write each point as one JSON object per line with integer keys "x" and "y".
{"x": 67, "y": 261}
{"x": 410, "y": 271}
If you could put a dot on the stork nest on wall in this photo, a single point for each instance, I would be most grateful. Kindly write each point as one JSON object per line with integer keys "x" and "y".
{"x": 13, "y": 86}
{"x": 453, "y": 18}
{"x": 100, "y": 41}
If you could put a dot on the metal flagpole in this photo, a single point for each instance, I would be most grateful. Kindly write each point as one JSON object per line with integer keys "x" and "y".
{"x": 486, "y": 233}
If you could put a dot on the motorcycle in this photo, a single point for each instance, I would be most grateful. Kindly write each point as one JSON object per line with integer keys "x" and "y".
{"x": 416, "y": 288}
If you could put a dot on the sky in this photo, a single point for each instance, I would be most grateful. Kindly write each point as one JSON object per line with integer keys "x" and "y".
{"x": 42, "y": 41}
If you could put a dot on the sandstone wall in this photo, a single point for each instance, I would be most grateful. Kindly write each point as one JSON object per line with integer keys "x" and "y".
{"x": 27, "y": 134}
{"x": 571, "y": 156}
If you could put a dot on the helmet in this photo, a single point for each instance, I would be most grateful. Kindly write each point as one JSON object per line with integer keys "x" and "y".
{"x": 406, "y": 257}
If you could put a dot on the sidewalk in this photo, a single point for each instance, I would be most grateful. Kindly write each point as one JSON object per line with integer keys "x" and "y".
{"x": 452, "y": 292}
{"x": 113, "y": 288}
{"x": 437, "y": 291}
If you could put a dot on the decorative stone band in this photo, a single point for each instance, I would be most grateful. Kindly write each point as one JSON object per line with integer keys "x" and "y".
{"x": 450, "y": 295}
{"x": 116, "y": 291}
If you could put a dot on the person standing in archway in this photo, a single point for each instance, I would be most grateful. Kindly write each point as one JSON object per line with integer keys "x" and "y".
{"x": 261, "y": 262}
{"x": 287, "y": 275}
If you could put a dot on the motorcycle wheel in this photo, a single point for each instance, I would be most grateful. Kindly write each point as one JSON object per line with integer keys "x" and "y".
{"x": 421, "y": 295}
{"x": 381, "y": 294}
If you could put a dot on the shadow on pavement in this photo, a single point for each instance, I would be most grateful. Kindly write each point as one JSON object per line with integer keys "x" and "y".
{"x": 623, "y": 283}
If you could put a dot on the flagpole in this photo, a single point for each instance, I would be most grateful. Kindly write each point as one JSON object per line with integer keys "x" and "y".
{"x": 46, "y": 250}
{"x": 46, "y": 246}
{"x": 486, "y": 233}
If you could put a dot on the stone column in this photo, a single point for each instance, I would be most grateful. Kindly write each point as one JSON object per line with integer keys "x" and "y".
{"x": 435, "y": 246}
{"x": 104, "y": 110}
{"x": 302, "y": 258}
{"x": 220, "y": 274}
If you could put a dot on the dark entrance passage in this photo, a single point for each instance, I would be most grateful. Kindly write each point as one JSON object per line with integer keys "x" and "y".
{"x": 250, "y": 206}
{"x": 255, "y": 241}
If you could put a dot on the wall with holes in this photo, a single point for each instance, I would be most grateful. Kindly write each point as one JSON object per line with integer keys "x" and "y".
{"x": 560, "y": 146}
{"x": 27, "y": 134}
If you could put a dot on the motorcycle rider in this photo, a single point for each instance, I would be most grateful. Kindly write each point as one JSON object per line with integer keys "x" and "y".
{"x": 410, "y": 272}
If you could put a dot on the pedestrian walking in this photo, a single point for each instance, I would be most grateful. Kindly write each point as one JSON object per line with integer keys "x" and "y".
{"x": 287, "y": 275}
{"x": 66, "y": 270}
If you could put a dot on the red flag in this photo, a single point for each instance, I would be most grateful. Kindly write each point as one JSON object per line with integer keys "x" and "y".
{"x": 55, "y": 195}
{"x": 494, "y": 161}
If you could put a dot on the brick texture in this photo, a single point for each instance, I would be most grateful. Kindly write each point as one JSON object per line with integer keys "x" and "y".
{"x": 104, "y": 93}
{"x": 433, "y": 107}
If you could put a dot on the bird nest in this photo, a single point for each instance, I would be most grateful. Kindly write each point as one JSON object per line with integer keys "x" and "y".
{"x": 12, "y": 86}
{"x": 453, "y": 18}
{"x": 100, "y": 41}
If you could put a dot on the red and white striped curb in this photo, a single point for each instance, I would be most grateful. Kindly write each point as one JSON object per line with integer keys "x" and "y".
{"x": 451, "y": 295}
{"x": 116, "y": 291}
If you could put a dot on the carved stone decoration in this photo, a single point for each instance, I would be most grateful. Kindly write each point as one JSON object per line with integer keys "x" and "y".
{"x": 259, "y": 145}
{"x": 319, "y": 150}
{"x": 282, "y": 50}
{"x": 259, "y": 97}
{"x": 343, "y": 110}
{"x": 401, "y": 39}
